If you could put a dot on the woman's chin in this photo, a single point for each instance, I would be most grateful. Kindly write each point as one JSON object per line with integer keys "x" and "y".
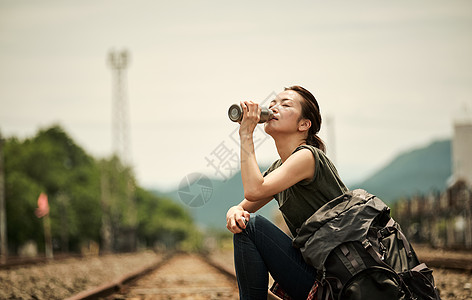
{"x": 267, "y": 128}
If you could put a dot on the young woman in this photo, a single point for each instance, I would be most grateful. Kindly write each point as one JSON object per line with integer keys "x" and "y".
{"x": 301, "y": 181}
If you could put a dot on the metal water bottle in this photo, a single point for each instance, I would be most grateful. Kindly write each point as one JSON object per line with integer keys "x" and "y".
{"x": 235, "y": 113}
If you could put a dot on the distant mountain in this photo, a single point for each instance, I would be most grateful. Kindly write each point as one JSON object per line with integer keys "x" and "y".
{"x": 224, "y": 195}
{"x": 417, "y": 171}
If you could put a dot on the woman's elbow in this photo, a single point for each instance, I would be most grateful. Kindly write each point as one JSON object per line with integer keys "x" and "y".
{"x": 253, "y": 196}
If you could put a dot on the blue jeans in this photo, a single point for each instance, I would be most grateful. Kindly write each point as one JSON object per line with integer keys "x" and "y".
{"x": 262, "y": 248}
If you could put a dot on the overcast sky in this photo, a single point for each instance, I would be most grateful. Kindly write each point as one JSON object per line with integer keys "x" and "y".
{"x": 389, "y": 75}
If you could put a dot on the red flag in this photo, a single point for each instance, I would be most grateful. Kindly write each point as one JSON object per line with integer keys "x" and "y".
{"x": 43, "y": 206}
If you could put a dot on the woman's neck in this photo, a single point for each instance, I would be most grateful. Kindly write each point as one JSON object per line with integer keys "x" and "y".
{"x": 287, "y": 144}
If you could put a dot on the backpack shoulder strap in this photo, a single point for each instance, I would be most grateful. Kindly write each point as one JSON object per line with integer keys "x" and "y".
{"x": 350, "y": 258}
{"x": 379, "y": 259}
{"x": 393, "y": 226}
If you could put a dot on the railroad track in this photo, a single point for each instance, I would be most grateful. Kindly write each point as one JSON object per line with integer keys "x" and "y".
{"x": 449, "y": 263}
{"x": 460, "y": 260}
{"x": 184, "y": 276}
{"x": 193, "y": 276}
{"x": 14, "y": 262}
{"x": 179, "y": 276}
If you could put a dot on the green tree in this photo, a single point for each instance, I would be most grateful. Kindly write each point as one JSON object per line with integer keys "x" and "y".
{"x": 86, "y": 196}
{"x": 52, "y": 163}
{"x": 118, "y": 205}
{"x": 163, "y": 222}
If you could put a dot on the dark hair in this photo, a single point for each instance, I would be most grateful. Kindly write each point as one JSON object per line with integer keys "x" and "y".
{"x": 310, "y": 111}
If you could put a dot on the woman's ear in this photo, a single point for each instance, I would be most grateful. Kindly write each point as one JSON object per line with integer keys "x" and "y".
{"x": 304, "y": 125}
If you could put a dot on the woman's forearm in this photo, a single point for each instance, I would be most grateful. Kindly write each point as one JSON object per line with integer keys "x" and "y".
{"x": 250, "y": 173}
{"x": 253, "y": 206}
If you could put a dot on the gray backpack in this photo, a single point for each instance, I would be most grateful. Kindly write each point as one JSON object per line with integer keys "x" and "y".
{"x": 362, "y": 253}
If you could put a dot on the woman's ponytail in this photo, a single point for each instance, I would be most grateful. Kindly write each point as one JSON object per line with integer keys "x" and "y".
{"x": 310, "y": 111}
{"x": 316, "y": 141}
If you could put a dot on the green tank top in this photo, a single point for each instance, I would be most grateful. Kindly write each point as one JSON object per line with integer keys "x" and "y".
{"x": 301, "y": 200}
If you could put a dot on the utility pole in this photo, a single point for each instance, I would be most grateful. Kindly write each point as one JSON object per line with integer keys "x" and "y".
{"x": 3, "y": 214}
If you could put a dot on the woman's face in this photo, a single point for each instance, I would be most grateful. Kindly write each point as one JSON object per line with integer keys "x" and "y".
{"x": 287, "y": 110}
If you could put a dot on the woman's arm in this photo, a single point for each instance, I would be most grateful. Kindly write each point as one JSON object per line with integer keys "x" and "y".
{"x": 297, "y": 167}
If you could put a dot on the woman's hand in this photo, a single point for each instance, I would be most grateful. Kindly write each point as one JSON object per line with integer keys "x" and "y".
{"x": 251, "y": 117}
{"x": 236, "y": 219}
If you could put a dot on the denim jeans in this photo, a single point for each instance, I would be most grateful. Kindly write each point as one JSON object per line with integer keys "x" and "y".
{"x": 262, "y": 248}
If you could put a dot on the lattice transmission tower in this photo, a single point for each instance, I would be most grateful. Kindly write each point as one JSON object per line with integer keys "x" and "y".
{"x": 121, "y": 236}
{"x": 118, "y": 62}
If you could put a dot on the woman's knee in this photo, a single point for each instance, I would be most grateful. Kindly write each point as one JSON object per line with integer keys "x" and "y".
{"x": 241, "y": 240}
{"x": 255, "y": 223}
{"x": 250, "y": 229}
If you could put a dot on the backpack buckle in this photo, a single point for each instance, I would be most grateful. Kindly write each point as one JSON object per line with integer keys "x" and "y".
{"x": 382, "y": 233}
{"x": 382, "y": 250}
{"x": 366, "y": 244}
